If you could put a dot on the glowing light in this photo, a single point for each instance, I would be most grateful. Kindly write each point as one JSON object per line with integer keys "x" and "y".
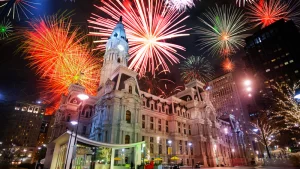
{"x": 169, "y": 141}
{"x": 74, "y": 123}
{"x": 5, "y": 29}
{"x": 190, "y": 144}
{"x": 255, "y": 130}
{"x": 226, "y": 130}
{"x": 148, "y": 28}
{"x": 247, "y": 82}
{"x": 268, "y": 12}
{"x": 297, "y": 94}
{"x": 120, "y": 47}
{"x": 243, "y": 2}
{"x": 83, "y": 97}
{"x": 180, "y": 5}
{"x": 248, "y": 89}
{"x": 249, "y": 95}
{"x": 21, "y": 8}
{"x": 228, "y": 65}
{"x": 196, "y": 68}
{"x": 233, "y": 150}
{"x": 222, "y": 30}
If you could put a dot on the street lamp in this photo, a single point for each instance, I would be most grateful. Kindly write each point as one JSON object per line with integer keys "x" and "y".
{"x": 190, "y": 145}
{"x": 170, "y": 148}
{"x": 73, "y": 123}
{"x": 82, "y": 97}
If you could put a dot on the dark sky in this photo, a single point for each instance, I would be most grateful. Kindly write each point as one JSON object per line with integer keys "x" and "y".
{"x": 17, "y": 81}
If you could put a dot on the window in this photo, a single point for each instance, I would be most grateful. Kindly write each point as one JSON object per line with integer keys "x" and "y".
{"x": 167, "y": 126}
{"x": 143, "y": 138}
{"x": 159, "y": 124}
{"x": 128, "y": 116}
{"x": 186, "y": 148}
{"x": 179, "y": 127}
{"x": 296, "y": 71}
{"x": 286, "y": 63}
{"x": 127, "y": 139}
{"x": 160, "y": 149}
{"x": 151, "y": 144}
{"x": 180, "y": 146}
{"x": 119, "y": 60}
{"x": 184, "y": 129}
{"x": 130, "y": 89}
{"x": 268, "y": 70}
{"x": 84, "y": 130}
{"x": 291, "y": 61}
{"x": 143, "y": 121}
{"x": 190, "y": 133}
{"x": 151, "y": 123}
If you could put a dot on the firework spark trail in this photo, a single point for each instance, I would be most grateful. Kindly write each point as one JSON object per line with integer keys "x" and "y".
{"x": 196, "y": 68}
{"x": 243, "y": 2}
{"x": 271, "y": 11}
{"x": 223, "y": 31}
{"x": 148, "y": 26}
{"x": 5, "y": 29}
{"x": 21, "y": 7}
{"x": 180, "y": 5}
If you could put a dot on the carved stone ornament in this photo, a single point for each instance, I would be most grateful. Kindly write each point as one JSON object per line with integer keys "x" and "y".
{"x": 109, "y": 85}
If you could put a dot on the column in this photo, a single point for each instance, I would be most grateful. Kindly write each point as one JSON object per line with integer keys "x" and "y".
{"x": 112, "y": 158}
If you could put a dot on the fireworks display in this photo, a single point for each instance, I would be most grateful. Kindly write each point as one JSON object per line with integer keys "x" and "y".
{"x": 223, "y": 30}
{"x": 243, "y": 2}
{"x": 180, "y": 5}
{"x": 196, "y": 67}
{"x": 56, "y": 53}
{"x": 227, "y": 65}
{"x": 271, "y": 11}
{"x": 20, "y": 8}
{"x": 149, "y": 25}
{"x": 5, "y": 29}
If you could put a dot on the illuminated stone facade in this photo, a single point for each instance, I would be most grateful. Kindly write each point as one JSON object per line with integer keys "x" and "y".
{"x": 184, "y": 124}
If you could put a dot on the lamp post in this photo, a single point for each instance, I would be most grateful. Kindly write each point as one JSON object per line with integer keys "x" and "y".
{"x": 170, "y": 148}
{"x": 190, "y": 147}
{"x": 73, "y": 123}
{"x": 82, "y": 97}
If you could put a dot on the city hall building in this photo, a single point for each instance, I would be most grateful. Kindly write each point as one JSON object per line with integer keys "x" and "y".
{"x": 183, "y": 125}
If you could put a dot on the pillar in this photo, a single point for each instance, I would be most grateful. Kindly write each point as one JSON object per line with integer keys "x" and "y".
{"x": 112, "y": 160}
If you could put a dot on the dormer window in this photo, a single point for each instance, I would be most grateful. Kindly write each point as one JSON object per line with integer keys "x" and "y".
{"x": 130, "y": 89}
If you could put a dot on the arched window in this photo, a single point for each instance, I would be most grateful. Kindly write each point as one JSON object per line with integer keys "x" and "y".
{"x": 127, "y": 139}
{"x": 130, "y": 89}
{"x": 128, "y": 116}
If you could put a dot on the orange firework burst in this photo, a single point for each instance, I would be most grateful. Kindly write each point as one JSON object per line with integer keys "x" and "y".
{"x": 57, "y": 54}
{"x": 48, "y": 42}
{"x": 228, "y": 65}
{"x": 149, "y": 25}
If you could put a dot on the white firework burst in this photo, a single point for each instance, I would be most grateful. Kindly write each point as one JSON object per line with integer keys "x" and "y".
{"x": 180, "y": 5}
{"x": 243, "y": 2}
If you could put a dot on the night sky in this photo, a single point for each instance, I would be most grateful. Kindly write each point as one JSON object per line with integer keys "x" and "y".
{"x": 17, "y": 81}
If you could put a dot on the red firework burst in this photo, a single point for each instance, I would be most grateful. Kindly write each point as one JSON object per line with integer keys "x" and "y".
{"x": 265, "y": 13}
{"x": 148, "y": 26}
